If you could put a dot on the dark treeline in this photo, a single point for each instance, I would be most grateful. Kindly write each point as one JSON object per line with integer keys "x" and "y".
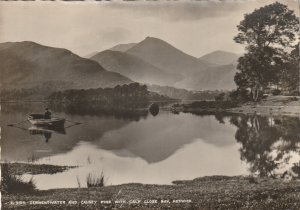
{"x": 125, "y": 97}
{"x": 22, "y": 94}
{"x": 185, "y": 94}
{"x": 38, "y": 92}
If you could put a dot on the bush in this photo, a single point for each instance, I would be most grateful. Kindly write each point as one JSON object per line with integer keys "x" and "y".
{"x": 276, "y": 92}
{"x": 93, "y": 181}
{"x": 294, "y": 99}
{"x": 295, "y": 93}
{"x": 239, "y": 96}
{"x": 220, "y": 97}
{"x": 14, "y": 184}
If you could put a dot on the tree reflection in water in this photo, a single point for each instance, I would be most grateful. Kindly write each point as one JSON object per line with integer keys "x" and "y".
{"x": 269, "y": 144}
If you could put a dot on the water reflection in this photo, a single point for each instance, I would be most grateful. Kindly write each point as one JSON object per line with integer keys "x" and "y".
{"x": 18, "y": 144}
{"x": 46, "y": 132}
{"x": 269, "y": 143}
{"x": 134, "y": 146}
{"x": 93, "y": 110}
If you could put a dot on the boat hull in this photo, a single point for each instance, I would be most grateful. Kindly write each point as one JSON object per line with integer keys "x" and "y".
{"x": 53, "y": 122}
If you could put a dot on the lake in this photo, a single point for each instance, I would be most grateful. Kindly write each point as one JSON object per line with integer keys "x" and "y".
{"x": 137, "y": 147}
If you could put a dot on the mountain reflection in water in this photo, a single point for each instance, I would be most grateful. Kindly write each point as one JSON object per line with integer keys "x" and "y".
{"x": 138, "y": 147}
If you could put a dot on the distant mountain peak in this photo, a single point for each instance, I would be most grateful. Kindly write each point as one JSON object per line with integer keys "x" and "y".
{"x": 220, "y": 57}
{"x": 154, "y": 40}
{"x": 123, "y": 47}
{"x": 167, "y": 57}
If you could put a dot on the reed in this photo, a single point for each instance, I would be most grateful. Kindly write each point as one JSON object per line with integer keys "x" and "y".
{"x": 93, "y": 180}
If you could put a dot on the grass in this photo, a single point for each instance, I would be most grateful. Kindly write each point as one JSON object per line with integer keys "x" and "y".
{"x": 11, "y": 183}
{"x": 32, "y": 158}
{"x": 95, "y": 181}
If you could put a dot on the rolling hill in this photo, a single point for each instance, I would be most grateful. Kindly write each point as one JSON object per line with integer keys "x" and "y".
{"x": 213, "y": 78}
{"x": 220, "y": 57}
{"x": 134, "y": 68}
{"x": 28, "y": 65}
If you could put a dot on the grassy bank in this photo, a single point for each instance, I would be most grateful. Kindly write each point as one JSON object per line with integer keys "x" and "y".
{"x": 27, "y": 168}
{"x": 215, "y": 192}
{"x": 272, "y": 105}
{"x": 275, "y": 105}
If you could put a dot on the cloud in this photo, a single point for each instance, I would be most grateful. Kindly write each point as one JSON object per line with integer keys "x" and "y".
{"x": 196, "y": 27}
{"x": 192, "y": 10}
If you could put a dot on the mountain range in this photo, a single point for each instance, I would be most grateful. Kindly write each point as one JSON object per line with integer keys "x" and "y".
{"x": 154, "y": 61}
{"x": 28, "y": 65}
{"x": 134, "y": 67}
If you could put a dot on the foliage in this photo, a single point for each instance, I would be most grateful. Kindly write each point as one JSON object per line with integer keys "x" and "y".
{"x": 276, "y": 92}
{"x": 95, "y": 181}
{"x": 289, "y": 75}
{"x": 119, "y": 97}
{"x": 239, "y": 96}
{"x": 268, "y": 33}
{"x": 13, "y": 183}
{"x": 220, "y": 97}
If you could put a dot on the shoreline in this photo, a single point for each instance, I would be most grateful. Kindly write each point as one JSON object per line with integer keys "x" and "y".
{"x": 20, "y": 168}
{"x": 275, "y": 105}
{"x": 209, "y": 192}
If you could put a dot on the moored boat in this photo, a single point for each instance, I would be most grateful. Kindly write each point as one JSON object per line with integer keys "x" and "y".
{"x": 39, "y": 120}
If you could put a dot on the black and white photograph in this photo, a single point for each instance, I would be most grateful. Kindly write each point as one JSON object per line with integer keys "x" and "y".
{"x": 150, "y": 105}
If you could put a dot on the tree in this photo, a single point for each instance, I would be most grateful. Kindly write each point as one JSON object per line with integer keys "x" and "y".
{"x": 268, "y": 33}
{"x": 290, "y": 70}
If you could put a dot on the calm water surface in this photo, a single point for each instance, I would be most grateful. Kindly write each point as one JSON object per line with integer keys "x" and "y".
{"x": 141, "y": 148}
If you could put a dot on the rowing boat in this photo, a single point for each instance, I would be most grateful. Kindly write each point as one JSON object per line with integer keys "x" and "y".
{"x": 39, "y": 120}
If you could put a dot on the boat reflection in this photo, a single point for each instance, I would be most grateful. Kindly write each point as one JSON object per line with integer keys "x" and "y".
{"x": 46, "y": 131}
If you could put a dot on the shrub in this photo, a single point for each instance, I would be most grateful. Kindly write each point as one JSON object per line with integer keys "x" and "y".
{"x": 239, "y": 96}
{"x": 295, "y": 93}
{"x": 220, "y": 97}
{"x": 276, "y": 92}
{"x": 14, "y": 184}
{"x": 95, "y": 181}
{"x": 294, "y": 99}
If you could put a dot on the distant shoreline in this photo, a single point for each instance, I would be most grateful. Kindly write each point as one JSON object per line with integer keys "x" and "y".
{"x": 275, "y": 105}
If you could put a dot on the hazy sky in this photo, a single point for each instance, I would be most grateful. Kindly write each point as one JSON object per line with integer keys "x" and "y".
{"x": 195, "y": 27}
